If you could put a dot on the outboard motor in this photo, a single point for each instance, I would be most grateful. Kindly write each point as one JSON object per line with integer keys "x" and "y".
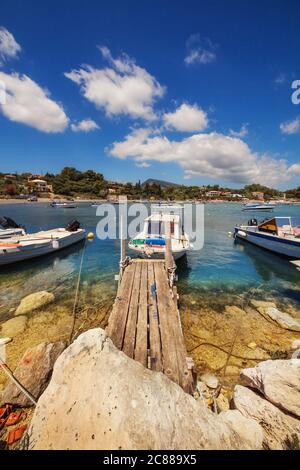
{"x": 6, "y": 222}
{"x": 252, "y": 222}
{"x": 73, "y": 226}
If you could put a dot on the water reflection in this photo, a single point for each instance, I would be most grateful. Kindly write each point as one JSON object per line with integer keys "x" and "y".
{"x": 267, "y": 264}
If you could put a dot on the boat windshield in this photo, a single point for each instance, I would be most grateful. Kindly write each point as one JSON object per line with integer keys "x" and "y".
{"x": 281, "y": 226}
{"x": 158, "y": 228}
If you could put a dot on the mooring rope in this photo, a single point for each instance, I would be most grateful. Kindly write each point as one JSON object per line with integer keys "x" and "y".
{"x": 18, "y": 384}
{"x": 77, "y": 293}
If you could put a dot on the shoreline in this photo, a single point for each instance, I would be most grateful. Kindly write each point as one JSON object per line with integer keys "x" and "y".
{"x": 147, "y": 201}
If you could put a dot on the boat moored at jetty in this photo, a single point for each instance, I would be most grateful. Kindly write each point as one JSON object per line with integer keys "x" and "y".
{"x": 259, "y": 207}
{"x": 165, "y": 220}
{"x": 279, "y": 234}
{"x": 27, "y": 246}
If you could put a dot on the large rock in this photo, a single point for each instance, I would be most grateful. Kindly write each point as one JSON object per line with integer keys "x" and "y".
{"x": 13, "y": 327}
{"x": 281, "y": 318}
{"x": 278, "y": 381}
{"x": 98, "y": 398}
{"x": 279, "y": 428}
{"x": 34, "y": 372}
{"x": 262, "y": 303}
{"x": 34, "y": 301}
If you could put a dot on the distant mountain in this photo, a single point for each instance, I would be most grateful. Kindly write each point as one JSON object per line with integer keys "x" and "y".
{"x": 163, "y": 184}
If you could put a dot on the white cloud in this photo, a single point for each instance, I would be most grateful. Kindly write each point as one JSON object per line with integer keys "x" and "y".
{"x": 294, "y": 169}
{"x": 201, "y": 51}
{"x": 243, "y": 132}
{"x": 9, "y": 48}
{"x": 186, "y": 118}
{"x": 143, "y": 165}
{"x": 26, "y": 102}
{"x": 122, "y": 88}
{"x": 213, "y": 155}
{"x": 290, "y": 127}
{"x": 86, "y": 125}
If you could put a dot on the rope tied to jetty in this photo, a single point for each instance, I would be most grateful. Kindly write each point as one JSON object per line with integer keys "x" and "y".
{"x": 9, "y": 372}
{"x": 77, "y": 293}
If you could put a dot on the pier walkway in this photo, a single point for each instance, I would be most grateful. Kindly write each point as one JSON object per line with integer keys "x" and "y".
{"x": 145, "y": 322}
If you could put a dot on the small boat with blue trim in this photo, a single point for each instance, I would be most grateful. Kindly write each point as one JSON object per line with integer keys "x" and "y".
{"x": 280, "y": 235}
{"x": 26, "y": 246}
{"x": 263, "y": 207}
{"x": 151, "y": 242}
{"x": 63, "y": 205}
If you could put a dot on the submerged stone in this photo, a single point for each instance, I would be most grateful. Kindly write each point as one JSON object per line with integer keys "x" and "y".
{"x": 13, "y": 327}
{"x": 283, "y": 319}
{"x": 33, "y": 301}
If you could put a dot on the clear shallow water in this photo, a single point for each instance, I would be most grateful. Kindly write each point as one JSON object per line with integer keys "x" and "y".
{"x": 224, "y": 265}
{"x": 221, "y": 268}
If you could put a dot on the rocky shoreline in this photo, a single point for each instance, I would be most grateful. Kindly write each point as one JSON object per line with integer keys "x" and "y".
{"x": 98, "y": 398}
{"x": 247, "y": 395}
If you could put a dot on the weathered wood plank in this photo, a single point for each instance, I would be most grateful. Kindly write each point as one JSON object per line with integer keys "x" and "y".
{"x": 118, "y": 318}
{"x": 145, "y": 321}
{"x": 130, "y": 331}
{"x": 141, "y": 345}
{"x": 165, "y": 307}
{"x": 184, "y": 373}
{"x": 154, "y": 330}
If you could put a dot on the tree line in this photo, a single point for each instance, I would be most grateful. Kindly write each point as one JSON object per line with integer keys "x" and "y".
{"x": 71, "y": 182}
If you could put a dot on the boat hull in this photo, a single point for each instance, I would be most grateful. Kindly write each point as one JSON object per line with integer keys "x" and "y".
{"x": 21, "y": 253}
{"x": 258, "y": 209}
{"x": 285, "y": 247}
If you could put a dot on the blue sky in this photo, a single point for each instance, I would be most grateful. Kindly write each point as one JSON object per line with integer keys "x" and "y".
{"x": 191, "y": 92}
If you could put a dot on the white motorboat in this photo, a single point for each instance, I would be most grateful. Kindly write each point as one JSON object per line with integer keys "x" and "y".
{"x": 259, "y": 207}
{"x": 151, "y": 242}
{"x": 10, "y": 228}
{"x": 27, "y": 246}
{"x": 280, "y": 235}
{"x": 63, "y": 205}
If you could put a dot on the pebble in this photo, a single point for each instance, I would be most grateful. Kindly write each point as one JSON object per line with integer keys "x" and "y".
{"x": 210, "y": 380}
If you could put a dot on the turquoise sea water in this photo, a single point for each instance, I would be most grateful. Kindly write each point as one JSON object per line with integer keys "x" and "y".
{"x": 221, "y": 268}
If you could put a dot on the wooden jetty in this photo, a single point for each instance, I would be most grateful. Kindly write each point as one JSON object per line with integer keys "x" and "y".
{"x": 145, "y": 322}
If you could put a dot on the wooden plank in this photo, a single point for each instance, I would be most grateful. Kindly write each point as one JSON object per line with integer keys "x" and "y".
{"x": 130, "y": 331}
{"x": 186, "y": 380}
{"x": 141, "y": 344}
{"x": 118, "y": 318}
{"x": 184, "y": 373}
{"x": 154, "y": 329}
{"x": 165, "y": 306}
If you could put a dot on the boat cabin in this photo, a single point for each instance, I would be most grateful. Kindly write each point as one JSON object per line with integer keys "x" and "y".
{"x": 281, "y": 226}
{"x": 159, "y": 225}
{"x": 164, "y": 219}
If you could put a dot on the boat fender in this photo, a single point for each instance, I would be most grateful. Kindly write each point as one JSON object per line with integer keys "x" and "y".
{"x": 90, "y": 236}
{"x": 55, "y": 244}
{"x": 241, "y": 233}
